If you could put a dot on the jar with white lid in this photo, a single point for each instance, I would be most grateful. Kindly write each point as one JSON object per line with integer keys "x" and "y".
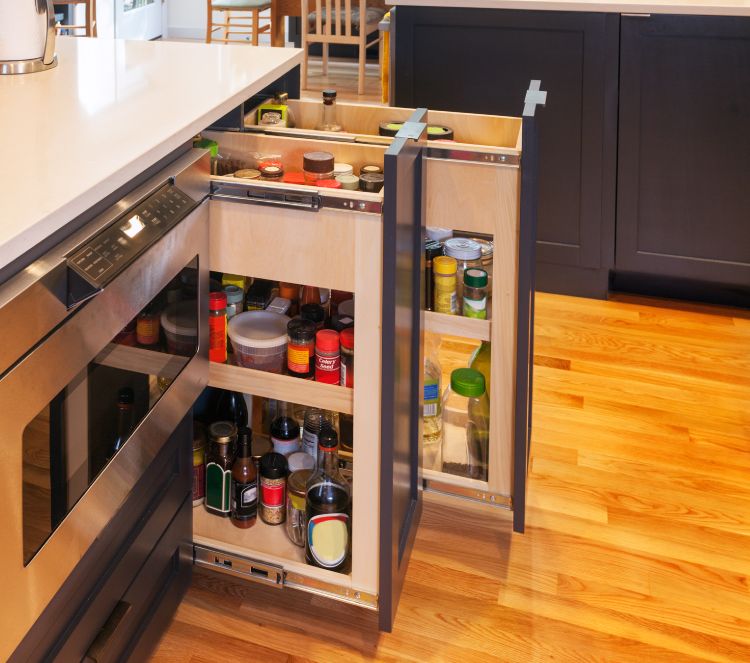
{"x": 467, "y": 253}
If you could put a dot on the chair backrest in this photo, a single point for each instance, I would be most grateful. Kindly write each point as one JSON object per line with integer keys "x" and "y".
{"x": 331, "y": 19}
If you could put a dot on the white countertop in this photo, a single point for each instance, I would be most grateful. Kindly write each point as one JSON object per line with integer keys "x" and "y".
{"x": 701, "y": 7}
{"x": 76, "y": 133}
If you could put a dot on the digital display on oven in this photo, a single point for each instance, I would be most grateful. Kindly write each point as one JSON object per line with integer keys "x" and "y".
{"x": 133, "y": 226}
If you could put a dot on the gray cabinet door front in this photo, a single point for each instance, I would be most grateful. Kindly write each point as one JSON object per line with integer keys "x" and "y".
{"x": 683, "y": 207}
{"x": 402, "y": 375}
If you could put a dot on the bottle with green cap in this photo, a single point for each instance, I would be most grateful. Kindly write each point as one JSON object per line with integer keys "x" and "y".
{"x": 466, "y": 425}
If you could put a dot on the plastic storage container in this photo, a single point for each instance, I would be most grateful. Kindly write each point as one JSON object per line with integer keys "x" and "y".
{"x": 259, "y": 340}
{"x": 466, "y": 425}
{"x": 180, "y": 324}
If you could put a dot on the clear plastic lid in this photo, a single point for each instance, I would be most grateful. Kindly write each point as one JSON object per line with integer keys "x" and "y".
{"x": 462, "y": 248}
{"x": 438, "y": 234}
{"x": 258, "y": 329}
{"x": 181, "y": 318}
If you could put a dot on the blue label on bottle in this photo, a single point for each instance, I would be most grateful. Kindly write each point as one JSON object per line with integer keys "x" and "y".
{"x": 431, "y": 391}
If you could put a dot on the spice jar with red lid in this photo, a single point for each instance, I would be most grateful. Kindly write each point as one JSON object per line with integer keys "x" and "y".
{"x": 217, "y": 327}
{"x": 327, "y": 357}
{"x": 346, "y": 338}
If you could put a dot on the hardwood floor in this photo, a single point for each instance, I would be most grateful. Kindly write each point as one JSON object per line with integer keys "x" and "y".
{"x": 638, "y": 541}
{"x": 342, "y": 77}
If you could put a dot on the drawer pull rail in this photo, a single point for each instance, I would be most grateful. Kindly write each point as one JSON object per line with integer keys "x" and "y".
{"x": 472, "y": 156}
{"x": 249, "y": 569}
{"x": 275, "y": 196}
{"x": 273, "y": 574}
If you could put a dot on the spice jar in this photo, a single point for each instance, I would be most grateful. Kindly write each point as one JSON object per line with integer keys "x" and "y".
{"x": 235, "y": 297}
{"x": 342, "y": 169}
{"x": 328, "y": 184}
{"x": 248, "y": 174}
{"x": 370, "y": 168}
{"x": 468, "y": 254}
{"x": 147, "y": 327}
{"x": 315, "y": 313}
{"x": 431, "y": 251}
{"x": 273, "y": 472}
{"x": 317, "y": 166}
{"x": 347, "y": 357}
{"x": 199, "y": 463}
{"x": 301, "y": 348}
{"x": 271, "y": 173}
{"x": 128, "y": 335}
{"x": 290, "y": 291}
{"x": 445, "y": 284}
{"x": 222, "y": 437}
{"x": 285, "y": 435}
{"x": 488, "y": 250}
{"x": 371, "y": 182}
{"x": 217, "y": 327}
{"x": 348, "y": 182}
{"x": 327, "y": 357}
{"x": 475, "y": 293}
{"x": 295, "y": 506}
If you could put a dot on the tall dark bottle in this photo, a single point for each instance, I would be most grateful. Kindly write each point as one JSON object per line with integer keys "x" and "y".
{"x": 244, "y": 483}
{"x": 125, "y": 398}
{"x": 229, "y": 406}
{"x": 328, "y": 510}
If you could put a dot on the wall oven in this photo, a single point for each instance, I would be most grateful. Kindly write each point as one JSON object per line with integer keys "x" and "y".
{"x": 101, "y": 358}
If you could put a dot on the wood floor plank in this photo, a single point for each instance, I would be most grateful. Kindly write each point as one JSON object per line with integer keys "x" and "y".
{"x": 637, "y": 547}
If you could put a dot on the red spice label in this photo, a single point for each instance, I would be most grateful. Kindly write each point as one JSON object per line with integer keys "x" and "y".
{"x": 272, "y": 495}
{"x": 327, "y": 369}
{"x": 217, "y": 338}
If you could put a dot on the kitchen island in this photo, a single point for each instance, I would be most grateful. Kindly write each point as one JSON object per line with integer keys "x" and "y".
{"x": 107, "y": 113}
{"x": 102, "y": 206}
{"x": 643, "y": 143}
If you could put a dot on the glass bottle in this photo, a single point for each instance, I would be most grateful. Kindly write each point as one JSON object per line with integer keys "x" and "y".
{"x": 310, "y": 295}
{"x": 328, "y": 510}
{"x": 329, "y": 119}
{"x": 467, "y": 253}
{"x": 244, "y": 484}
{"x": 432, "y": 423}
{"x": 125, "y": 398}
{"x": 475, "y": 293}
{"x": 222, "y": 440}
{"x": 466, "y": 426}
{"x": 229, "y": 406}
{"x": 217, "y": 327}
{"x": 316, "y": 420}
{"x": 481, "y": 361}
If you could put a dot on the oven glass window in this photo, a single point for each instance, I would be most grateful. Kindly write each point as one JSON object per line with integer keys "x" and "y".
{"x": 68, "y": 444}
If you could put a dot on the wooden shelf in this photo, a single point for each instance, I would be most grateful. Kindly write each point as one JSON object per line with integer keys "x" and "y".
{"x": 265, "y": 543}
{"x": 281, "y": 387}
{"x": 457, "y": 325}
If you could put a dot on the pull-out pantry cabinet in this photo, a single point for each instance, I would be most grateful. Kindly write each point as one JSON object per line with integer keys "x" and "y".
{"x": 372, "y": 245}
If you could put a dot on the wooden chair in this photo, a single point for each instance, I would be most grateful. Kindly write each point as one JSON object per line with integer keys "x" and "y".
{"x": 336, "y": 25}
{"x": 240, "y": 17}
{"x": 89, "y": 24}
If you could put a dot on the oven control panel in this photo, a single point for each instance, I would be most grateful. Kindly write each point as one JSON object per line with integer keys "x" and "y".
{"x": 108, "y": 253}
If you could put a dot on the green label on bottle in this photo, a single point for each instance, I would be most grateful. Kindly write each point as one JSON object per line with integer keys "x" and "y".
{"x": 217, "y": 488}
{"x": 475, "y": 308}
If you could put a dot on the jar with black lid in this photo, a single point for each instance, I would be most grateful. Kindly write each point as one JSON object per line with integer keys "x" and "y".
{"x": 371, "y": 182}
{"x": 315, "y": 313}
{"x": 222, "y": 440}
{"x": 273, "y": 473}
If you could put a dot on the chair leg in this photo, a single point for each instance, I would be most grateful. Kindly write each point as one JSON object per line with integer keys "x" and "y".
{"x": 361, "y": 73}
{"x": 209, "y": 23}
{"x": 303, "y": 73}
{"x": 256, "y": 26}
{"x": 325, "y": 59}
{"x": 227, "y": 23}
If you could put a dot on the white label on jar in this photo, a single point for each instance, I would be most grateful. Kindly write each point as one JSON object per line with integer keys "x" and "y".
{"x": 310, "y": 443}
{"x": 476, "y": 304}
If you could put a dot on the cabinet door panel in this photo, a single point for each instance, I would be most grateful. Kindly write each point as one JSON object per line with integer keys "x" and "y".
{"x": 482, "y": 61}
{"x": 402, "y": 378}
{"x": 684, "y": 148}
